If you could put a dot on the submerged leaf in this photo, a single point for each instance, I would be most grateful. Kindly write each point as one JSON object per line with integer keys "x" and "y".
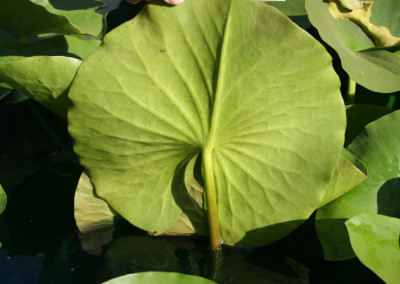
{"x": 216, "y": 78}
{"x": 378, "y": 146}
{"x": 375, "y": 240}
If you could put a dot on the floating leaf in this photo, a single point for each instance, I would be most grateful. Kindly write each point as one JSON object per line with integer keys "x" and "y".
{"x": 44, "y": 78}
{"x": 362, "y": 17}
{"x": 375, "y": 240}
{"x": 358, "y": 116}
{"x": 56, "y": 46}
{"x": 91, "y": 212}
{"x": 42, "y": 16}
{"x": 47, "y": 76}
{"x": 377, "y": 70}
{"x": 159, "y": 278}
{"x": 221, "y": 79}
{"x": 93, "y": 241}
{"x": 378, "y": 146}
{"x": 386, "y": 13}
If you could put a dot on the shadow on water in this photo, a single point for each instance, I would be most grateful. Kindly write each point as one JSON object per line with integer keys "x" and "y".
{"x": 272, "y": 233}
{"x": 389, "y": 198}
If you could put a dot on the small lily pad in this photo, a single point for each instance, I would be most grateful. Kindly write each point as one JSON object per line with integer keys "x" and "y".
{"x": 159, "y": 278}
{"x": 375, "y": 240}
{"x": 378, "y": 146}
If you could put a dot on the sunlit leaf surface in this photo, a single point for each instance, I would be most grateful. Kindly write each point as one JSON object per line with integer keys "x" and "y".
{"x": 349, "y": 173}
{"x": 377, "y": 70}
{"x": 159, "y": 278}
{"x": 226, "y": 76}
{"x": 90, "y": 211}
{"x": 378, "y": 146}
{"x": 375, "y": 240}
{"x": 45, "y": 78}
{"x": 387, "y": 13}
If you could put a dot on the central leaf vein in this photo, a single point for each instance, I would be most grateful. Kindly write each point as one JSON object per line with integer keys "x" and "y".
{"x": 219, "y": 81}
{"x": 204, "y": 76}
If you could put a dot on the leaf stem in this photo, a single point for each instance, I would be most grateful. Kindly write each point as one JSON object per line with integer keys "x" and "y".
{"x": 351, "y": 91}
{"x": 211, "y": 200}
{"x": 391, "y": 101}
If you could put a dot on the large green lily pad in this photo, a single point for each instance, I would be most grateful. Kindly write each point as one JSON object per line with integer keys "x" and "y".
{"x": 221, "y": 79}
{"x": 375, "y": 239}
{"x": 378, "y": 146}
